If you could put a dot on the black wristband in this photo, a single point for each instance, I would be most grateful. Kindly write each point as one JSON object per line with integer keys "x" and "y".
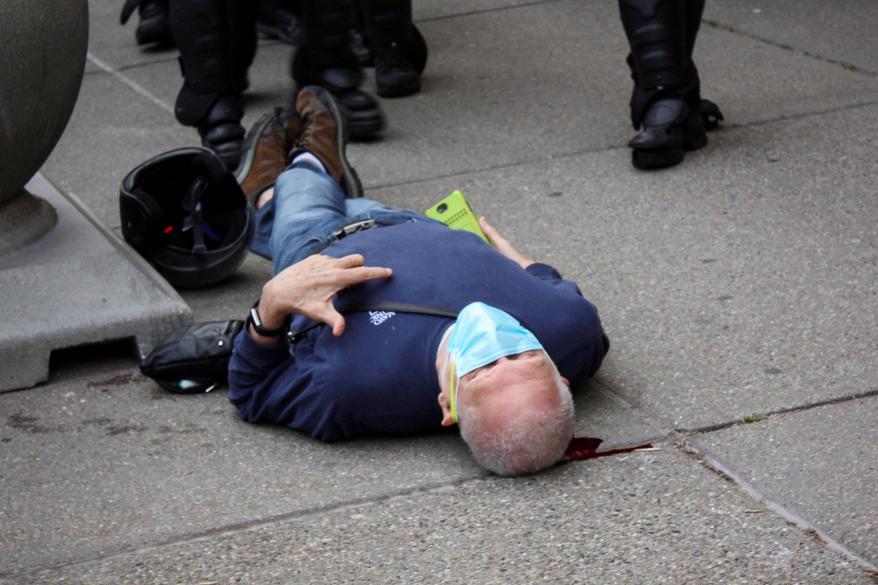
{"x": 254, "y": 320}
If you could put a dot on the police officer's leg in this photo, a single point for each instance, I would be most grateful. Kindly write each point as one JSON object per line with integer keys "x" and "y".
{"x": 665, "y": 103}
{"x": 399, "y": 59}
{"x": 710, "y": 112}
{"x": 217, "y": 42}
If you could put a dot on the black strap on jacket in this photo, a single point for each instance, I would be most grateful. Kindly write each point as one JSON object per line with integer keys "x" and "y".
{"x": 295, "y": 336}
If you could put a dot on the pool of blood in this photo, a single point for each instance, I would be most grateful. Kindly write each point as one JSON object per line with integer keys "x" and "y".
{"x": 587, "y": 448}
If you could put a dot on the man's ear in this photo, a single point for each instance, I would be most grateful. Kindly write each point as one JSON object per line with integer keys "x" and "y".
{"x": 446, "y": 409}
{"x": 566, "y": 381}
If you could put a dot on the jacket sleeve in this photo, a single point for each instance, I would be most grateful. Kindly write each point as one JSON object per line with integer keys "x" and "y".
{"x": 595, "y": 345}
{"x": 251, "y": 366}
{"x": 268, "y": 385}
{"x": 552, "y": 276}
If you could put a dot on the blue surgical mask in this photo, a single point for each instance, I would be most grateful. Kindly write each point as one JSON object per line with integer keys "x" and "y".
{"x": 483, "y": 334}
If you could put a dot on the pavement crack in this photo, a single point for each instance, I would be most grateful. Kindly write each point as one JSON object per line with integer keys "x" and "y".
{"x": 246, "y": 525}
{"x": 734, "y": 30}
{"x": 485, "y": 10}
{"x": 500, "y": 166}
{"x": 803, "y": 115}
{"x": 130, "y": 83}
{"x": 707, "y": 459}
{"x": 171, "y": 58}
{"x": 726, "y": 127}
{"x": 759, "y": 417}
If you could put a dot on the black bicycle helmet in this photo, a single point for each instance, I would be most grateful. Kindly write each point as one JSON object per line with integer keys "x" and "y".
{"x": 185, "y": 213}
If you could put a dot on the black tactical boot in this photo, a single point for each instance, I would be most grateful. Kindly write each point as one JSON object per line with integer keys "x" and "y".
{"x": 221, "y": 129}
{"x": 277, "y": 20}
{"x": 398, "y": 48}
{"x": 665, "y": 105}
{"x": 153, "y": 28}
{"x": 326, "y": 60}
{"x": 217, "y": 42}
{"x": 359, "y": 43}
{"x": 395, "y": 75}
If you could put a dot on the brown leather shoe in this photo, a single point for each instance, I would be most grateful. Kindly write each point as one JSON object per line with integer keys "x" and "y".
{"x": 265, "y": 151}
{"x": 324, "y": 134}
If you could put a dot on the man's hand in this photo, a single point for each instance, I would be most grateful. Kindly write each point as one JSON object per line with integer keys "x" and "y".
{"x": 503, "y": 246}
{"x": 307, "y": 287}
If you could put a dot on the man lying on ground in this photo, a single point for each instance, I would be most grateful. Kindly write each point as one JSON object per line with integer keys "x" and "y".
{"x": 408, "y": 308}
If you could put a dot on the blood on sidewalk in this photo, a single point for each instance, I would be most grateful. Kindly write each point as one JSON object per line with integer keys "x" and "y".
{"x": 581, "y": 448}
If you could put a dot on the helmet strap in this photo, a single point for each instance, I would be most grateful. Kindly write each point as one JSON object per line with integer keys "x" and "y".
{"x": 192, "y": 204}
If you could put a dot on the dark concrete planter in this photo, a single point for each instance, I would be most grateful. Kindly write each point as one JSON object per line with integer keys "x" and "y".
{"x": 43, "y": 43}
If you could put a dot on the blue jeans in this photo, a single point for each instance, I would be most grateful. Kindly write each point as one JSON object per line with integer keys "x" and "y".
{"x": 308, "y": 205}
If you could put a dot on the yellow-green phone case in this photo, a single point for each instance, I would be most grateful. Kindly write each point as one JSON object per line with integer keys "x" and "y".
{"x": 455, "y": 212}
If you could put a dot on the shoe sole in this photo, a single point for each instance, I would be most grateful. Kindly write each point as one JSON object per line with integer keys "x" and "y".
{"x": 249, "y": 149}
{"x": 687, "y": 137}
{"x": 398, "y": 90}
{"x": 275, "y": 32}
{"x": 364, "y": 124}
{"x": 154, "y": 33}
{"x": 658, "y": 158}
{"x": 350, "y": 180}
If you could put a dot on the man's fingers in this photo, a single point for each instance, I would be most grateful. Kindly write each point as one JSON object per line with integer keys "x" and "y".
{"x": 326, "y": 313}
{"x": 355, "y": 272}
{"x": 351, "y": 261}
{"x": 363, "y": 273}
{"x": 490, "y": 231}
{"x": 337, "y": 325}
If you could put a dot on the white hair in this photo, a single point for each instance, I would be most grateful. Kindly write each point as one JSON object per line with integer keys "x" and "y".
{"x": 528, "y": 442}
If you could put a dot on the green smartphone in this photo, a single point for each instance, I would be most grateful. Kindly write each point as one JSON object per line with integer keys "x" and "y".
{"x": 455, "y": 212}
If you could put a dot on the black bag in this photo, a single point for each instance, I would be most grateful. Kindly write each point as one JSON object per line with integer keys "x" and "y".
{"x": 194, "y": 359}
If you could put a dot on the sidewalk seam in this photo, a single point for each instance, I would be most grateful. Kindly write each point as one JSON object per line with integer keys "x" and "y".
{"x": 712, "y": 463}
{"x": 486, "y": 10}
{"x": 791, "y": 409}
{"x": 740, "y": 32}
{"x": 609, "y": 148}
{"x": 133, "y": 85}
{"x": 245, "y": 526}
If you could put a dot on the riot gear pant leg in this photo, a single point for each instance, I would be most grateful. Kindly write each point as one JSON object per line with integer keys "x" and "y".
{"x": 217, "y": 42}
{"x": 399, "y": 49}
{"x": 153, "y": 28}
{"x": 666, "y": 103}
{"x": 278, "y": 19}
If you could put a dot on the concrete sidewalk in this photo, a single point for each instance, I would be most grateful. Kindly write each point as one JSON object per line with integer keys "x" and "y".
{"x": 738, "y": 289}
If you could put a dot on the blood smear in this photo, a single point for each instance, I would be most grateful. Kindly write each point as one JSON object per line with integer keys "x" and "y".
{"x": 581, "y": 448}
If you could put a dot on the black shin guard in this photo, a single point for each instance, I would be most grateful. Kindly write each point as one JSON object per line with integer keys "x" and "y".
{"x": 217, "y": 42}
{"x": 399, "y": 51}
{"x": 694, "y": 9}
{"x": 388, "y": 22}
{"x": 665, "y": 103}
{"x": 327, "y": 29}
{"x": 656, "y": 34}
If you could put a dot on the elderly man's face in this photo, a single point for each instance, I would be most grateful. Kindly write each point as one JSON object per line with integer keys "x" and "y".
{"x": 500, "y": 389}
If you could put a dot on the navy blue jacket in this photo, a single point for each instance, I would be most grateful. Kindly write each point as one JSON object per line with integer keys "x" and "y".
{"x": 379, "y": 377}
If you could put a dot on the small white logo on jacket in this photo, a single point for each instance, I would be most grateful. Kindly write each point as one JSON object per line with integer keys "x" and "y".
{"x": 379, "y": 317}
